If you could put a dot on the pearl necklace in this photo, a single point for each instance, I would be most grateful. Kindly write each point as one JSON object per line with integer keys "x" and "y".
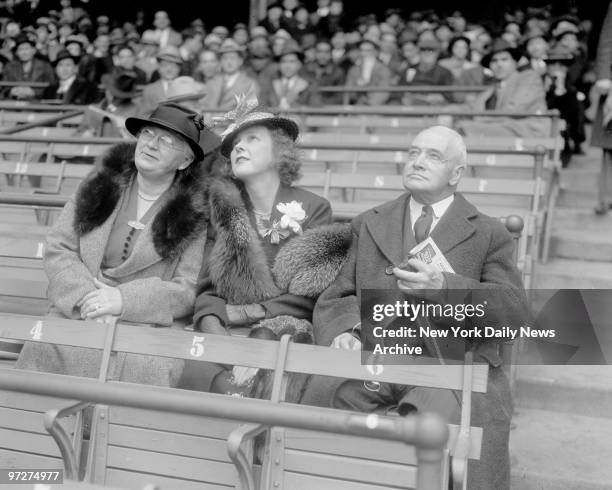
{"x": 147, "y": 198}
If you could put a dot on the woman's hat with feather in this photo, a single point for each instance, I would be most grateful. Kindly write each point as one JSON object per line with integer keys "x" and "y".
{"x": 246, "y": 114}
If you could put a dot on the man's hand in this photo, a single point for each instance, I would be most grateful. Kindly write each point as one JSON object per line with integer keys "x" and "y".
{"x": 425, "y": 276}
{"x": 346, "y": 341}
{"x": 105, "y": 300}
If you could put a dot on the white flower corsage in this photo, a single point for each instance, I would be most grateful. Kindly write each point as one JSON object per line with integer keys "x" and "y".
{"x": 291, "y": 221}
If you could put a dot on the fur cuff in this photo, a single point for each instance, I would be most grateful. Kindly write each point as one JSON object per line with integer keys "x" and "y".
{"x": 301, "y": 331}
{"x": 309, "y": 263}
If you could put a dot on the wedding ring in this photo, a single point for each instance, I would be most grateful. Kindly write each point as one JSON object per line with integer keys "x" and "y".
{"x": 372, "y": 386}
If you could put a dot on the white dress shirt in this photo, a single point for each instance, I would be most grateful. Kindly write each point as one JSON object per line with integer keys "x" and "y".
{"x": 439, "y": 208}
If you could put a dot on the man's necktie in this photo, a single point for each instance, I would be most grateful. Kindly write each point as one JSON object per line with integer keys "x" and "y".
{"x": 422, "y": 226}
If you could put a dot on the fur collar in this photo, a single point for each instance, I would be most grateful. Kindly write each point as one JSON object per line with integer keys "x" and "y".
{"x": 177, "y": 223}
{"x": 238, "y": 267}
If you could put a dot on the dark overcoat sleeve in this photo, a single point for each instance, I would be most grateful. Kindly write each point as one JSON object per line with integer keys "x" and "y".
{"x": 337, "y": 309}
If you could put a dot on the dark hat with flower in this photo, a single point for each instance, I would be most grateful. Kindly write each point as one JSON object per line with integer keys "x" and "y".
{"x": 248, "y": 113}
{"x": 175, "y": 118}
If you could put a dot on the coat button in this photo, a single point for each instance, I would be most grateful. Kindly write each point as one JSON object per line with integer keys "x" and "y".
{"x": 129, "y": 239}
{"x": 389, "y": 270}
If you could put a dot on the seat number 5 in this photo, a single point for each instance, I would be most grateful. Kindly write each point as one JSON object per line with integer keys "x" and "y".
{"x": 197, "y": 348}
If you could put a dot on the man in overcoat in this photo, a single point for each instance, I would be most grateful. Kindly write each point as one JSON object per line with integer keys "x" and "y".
{"x": 479, "y": 250}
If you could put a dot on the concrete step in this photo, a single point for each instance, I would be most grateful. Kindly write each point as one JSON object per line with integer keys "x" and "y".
{"x": 579, "y": 179}
{"x": 579, "y": 274}
{"x": 586, "y": 244}
{"x": 571, "y": 199}
{"x": 581, "y": 219}
{"x": 582, "y": 390}
{"x": 560, "y": 451}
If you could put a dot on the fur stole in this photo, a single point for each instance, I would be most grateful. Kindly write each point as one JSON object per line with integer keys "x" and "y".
{"x": 306, "y": 265}
{"x": 178, "y": 222}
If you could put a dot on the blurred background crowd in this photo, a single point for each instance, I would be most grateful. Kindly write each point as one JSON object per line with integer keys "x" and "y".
{"x": 535, "y": 58}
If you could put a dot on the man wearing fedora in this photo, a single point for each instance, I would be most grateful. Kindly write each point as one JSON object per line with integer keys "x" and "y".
{"x": 232, "y": 81}
{"x": 289, "y": 88}
{"x": 69, "y": 88}
{"x": 427, "y": 72}
{"x": 107, "y": 118}
{"x": 169, "y": 67}
{"x": 368, "y": 71}
{"x": 514, "y": 90}
{"x": 26, "y": 68}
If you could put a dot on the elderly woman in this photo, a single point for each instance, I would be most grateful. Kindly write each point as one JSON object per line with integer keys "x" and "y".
{"x": 265, "y": 261}
{"x": 129, "y": 244}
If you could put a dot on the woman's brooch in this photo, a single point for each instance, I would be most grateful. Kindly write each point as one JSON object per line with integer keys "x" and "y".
{"x": 293, "y": 215}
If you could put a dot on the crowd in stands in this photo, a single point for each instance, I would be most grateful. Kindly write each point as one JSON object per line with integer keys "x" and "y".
{"x": 128, "y": 69}
{"x": 129, "y": 244}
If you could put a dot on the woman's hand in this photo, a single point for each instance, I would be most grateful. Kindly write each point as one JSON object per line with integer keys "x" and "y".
{"x": 245, "y": 314}
{"x": 106, "y": 300}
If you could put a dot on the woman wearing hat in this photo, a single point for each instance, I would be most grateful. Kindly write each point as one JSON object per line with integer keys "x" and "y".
{"x": 129, "y": 244}
{"x": 265, "y": 261}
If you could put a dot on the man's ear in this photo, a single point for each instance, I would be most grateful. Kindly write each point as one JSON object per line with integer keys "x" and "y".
{"x": 457, "y": 174}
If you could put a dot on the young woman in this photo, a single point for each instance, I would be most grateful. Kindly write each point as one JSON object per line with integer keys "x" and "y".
{"x": 267, "y": 258}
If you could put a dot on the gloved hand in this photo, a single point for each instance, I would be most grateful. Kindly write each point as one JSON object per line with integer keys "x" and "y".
{"x": 245, "y": 314}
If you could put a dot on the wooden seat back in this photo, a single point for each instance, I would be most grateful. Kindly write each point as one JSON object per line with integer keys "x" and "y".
{"x": 132, "y": 447}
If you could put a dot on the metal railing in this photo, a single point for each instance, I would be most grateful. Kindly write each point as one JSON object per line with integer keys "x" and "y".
{"x": 428, "y": 432}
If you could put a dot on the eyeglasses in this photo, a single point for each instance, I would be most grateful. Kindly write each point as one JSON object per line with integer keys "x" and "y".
{"x": 433, "y": 156}
{"x": 166, "y": 141}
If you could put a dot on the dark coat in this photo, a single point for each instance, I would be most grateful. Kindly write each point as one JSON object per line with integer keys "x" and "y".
{"x": 41, "y": 71}
{"x": 253, "y": 282}
{"x": 330, "y": 75}
{"x": 240, "y": 267}
{"x": 81, "y": 92}
{"x": 480, "y": 251}
{"x": 437, "y": 75}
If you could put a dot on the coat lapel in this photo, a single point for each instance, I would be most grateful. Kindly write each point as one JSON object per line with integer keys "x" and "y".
{"x": 454, "y": 226}
{"x": 92, "y": 252}
{"x": 386, "y": 226}
{"x": 508, "y": 90}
